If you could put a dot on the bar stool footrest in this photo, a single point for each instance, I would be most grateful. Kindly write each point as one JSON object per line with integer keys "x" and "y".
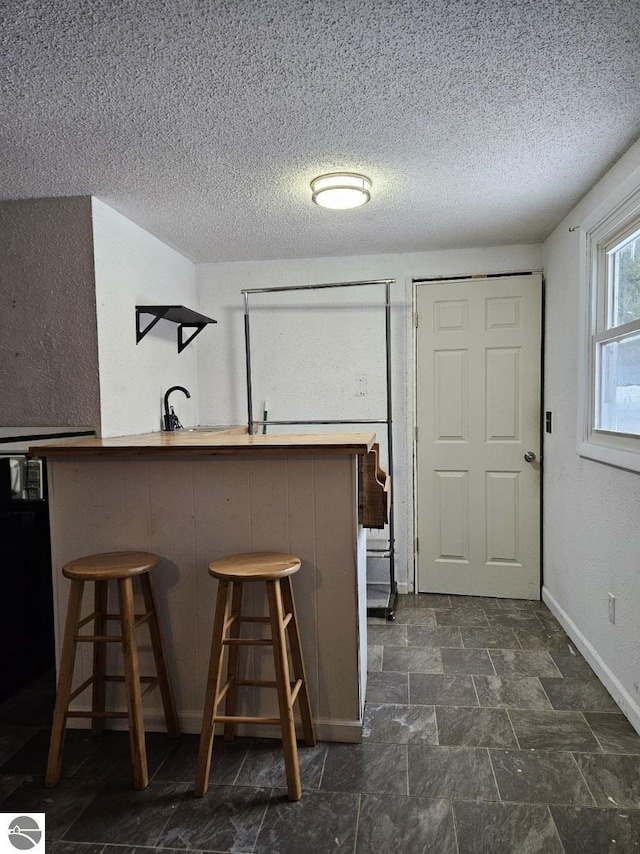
{"x": 97, "y": 715}
{"x": 246, "y": 719}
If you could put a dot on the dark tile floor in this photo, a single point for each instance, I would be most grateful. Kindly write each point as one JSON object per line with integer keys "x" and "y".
{"x": 486, "y": 733}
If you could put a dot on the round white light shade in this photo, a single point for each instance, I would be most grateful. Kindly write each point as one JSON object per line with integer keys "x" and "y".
{"x": 341, "y": 190}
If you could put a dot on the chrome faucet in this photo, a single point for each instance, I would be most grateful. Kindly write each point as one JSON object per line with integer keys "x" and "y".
{"x": 171, "y": 420}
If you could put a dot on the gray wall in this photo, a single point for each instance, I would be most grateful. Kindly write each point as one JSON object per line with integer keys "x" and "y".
{"x": 48, "y": 337}
{"x": 221, "y": 355}
{"x": 591, "y": 532}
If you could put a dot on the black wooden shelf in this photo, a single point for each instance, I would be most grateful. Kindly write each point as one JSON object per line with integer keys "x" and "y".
{"x": 184, "y": 317}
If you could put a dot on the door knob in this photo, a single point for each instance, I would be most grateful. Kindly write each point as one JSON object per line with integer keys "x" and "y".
{"x": 529, "y": 456}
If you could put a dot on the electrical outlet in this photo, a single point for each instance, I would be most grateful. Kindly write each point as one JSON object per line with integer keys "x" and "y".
{"x": 612, "y": 608}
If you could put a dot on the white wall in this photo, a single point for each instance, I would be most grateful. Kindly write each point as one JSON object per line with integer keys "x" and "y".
{"x": 591, "y": 510}
{"x": 48, "y": 333}
{"x": 221, "y": 356}
{"x": 134, "y": 268}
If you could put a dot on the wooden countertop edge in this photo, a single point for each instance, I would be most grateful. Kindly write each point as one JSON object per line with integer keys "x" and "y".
{"x": 215, "y": 443}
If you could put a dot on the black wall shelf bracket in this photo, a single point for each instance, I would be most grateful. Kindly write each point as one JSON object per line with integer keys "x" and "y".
{"x": 184, "y": 317}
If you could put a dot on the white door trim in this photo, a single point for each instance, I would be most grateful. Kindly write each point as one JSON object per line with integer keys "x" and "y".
{"x": 411, "y": 285}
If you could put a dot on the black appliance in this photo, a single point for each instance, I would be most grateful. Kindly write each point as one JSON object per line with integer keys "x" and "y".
{"x": 26, "y": 600}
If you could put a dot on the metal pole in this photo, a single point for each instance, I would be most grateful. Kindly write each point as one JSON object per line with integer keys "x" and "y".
{"x": 315, "y": 287}
{"x": 392, "y": 573}
{"x": 247, "y": 348}
{"x": 325, "y": 421}
{"x": 389, "y": 419}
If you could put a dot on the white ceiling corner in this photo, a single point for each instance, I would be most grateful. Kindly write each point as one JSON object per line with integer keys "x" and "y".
{"x": 479, "y": 122}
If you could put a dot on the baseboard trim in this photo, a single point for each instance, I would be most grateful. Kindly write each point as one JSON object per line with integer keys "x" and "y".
{"x": 349, "y": 732}
{"x": 628, "y": 705}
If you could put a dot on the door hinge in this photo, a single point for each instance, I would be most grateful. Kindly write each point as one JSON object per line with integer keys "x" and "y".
{"x": 416, "y": 434}
{"x": 416, "y": 319}
{"x": 417, "y": 545}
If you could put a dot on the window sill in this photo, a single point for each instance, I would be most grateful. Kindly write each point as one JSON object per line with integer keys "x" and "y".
{"x": 604, "y": 453}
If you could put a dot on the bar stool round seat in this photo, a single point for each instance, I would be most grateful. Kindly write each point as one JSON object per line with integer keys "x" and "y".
{"x": 110, "y": 565}
{"x": 254, "y": 566}
{"x": 275, "y": 570}
{"x": 120, "y": 567}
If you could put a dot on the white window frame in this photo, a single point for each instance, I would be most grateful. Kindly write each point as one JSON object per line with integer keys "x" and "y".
{"x": 600, "y": 233}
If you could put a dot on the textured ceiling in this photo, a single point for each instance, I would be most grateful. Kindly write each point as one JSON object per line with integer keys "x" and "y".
{"x": 479, "y": 122}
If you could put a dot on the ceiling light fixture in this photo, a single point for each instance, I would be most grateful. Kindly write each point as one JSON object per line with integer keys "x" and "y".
{"x": 341, "y": 190}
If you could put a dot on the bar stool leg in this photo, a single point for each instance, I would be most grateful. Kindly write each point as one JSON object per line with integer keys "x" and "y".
{"x": 98, "y": 696}
{"x": 298, "y": 663}
{"x": 231, "y": 700}
{"x": 213, "y": 690}
{"x": 160, "y": 657}
{"x": 283, "y": 685}
{"x": 132, "y": 682}
{"x": 65, "y": 680}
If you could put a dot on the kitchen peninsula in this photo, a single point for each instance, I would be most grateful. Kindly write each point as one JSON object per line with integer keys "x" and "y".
{"x": 194, "y": 496}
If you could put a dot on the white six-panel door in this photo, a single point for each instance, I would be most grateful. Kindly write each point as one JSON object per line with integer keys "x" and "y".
{"x": 478, "y": 414}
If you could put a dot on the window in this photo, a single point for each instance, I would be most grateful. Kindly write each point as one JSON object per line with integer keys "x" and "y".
{"x": 616, "y": 348}
{"x": 610, "y": 430}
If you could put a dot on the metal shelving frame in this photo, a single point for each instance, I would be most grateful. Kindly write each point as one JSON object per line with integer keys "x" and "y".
{"x": 387, "y": 611}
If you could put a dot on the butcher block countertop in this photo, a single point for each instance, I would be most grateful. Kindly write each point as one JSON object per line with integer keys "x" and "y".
{"x": 200, "y": 442}
{"x": 190, "y": 497}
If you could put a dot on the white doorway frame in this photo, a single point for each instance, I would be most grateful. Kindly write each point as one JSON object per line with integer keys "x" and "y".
{"x": 411, "y": 286}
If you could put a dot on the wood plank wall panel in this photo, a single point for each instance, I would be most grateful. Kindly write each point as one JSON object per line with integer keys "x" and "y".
{"x": 222, "y": 526}
{"x": 83, "y": 515}
{"x": 191, "y": 511}
{"x": 268, "y": 511}
{"x": 336, "y": 591}
{"x": 302, "y": 542}
{"x": 172, "y": 511}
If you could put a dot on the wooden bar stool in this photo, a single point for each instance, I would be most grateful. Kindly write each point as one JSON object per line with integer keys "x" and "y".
{"x": 121, "y": 567}
{"x": 232, "y": 572}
